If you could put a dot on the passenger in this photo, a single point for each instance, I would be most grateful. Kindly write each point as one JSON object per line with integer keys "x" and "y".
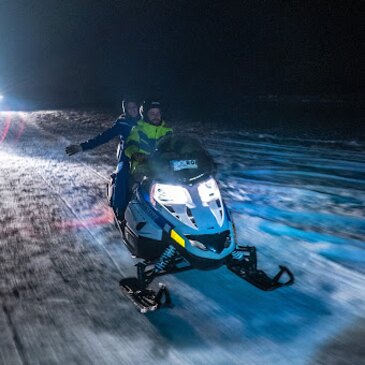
{"x": 143, "y": 138}
{"x": 118, "y": 196}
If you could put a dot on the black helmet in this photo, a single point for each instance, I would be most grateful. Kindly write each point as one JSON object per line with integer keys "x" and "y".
{"x": 150, "y": 104}
{"x": 129, "y": 99}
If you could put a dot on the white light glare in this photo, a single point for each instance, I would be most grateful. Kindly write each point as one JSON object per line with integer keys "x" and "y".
{"x": 209, "y": 191}
{"x": 170, "y": 194}
{"x": 1, "y": 97}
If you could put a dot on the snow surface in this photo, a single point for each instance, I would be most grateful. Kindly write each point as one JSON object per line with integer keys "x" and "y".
{"x": 299, "y": 200}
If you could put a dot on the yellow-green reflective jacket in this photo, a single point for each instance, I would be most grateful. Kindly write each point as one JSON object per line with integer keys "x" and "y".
{"x": 143, "y": 139}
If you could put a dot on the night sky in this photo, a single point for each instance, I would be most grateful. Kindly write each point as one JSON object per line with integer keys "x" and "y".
{"x": 78, "y": 51}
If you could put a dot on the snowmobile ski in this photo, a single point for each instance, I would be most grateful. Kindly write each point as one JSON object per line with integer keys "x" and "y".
{"x": 244, "y": 265}
{"x": 146, "y": 300}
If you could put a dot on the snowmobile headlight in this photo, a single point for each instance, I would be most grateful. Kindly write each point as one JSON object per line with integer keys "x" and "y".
{"x": 209, "y": 191}
{"x": 170, "y": 194}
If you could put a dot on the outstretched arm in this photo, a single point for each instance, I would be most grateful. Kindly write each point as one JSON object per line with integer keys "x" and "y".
{"x": 119, "y": 128}
{"x": 101, "y": 138}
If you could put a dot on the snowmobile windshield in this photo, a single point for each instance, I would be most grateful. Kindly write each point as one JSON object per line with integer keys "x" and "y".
{"x": 180, "y": 158}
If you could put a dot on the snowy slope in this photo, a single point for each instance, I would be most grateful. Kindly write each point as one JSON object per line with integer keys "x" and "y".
{"x": 300, "y": 201}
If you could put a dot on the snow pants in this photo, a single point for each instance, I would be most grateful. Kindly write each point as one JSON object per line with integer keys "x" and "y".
{"x": 119, "y": 198}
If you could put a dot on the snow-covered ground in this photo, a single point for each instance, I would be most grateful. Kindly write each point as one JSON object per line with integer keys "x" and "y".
{"x": 300, "y": 201}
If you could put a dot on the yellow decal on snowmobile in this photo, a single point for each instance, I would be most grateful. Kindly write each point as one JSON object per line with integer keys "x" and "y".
{"x": 177, "y": 238}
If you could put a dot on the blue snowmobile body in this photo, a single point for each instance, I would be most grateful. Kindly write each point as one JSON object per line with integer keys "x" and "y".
{"x": 177, "y": 221}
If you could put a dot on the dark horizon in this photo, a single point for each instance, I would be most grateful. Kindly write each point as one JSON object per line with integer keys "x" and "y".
{"x": 92, "y": 53}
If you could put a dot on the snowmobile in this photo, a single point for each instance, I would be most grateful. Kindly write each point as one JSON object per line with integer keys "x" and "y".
{"x": 176, "y": 221}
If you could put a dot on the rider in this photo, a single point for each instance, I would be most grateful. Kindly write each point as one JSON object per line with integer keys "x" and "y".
{"x": 144, "y": 136}
{"x": 122, "y": 128}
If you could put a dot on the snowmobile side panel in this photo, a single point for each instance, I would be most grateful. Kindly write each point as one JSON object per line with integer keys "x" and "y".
{"x": 143, "y": 247}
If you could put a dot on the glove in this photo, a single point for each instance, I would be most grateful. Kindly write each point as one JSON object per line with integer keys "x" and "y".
{"x": 72, "y": 149}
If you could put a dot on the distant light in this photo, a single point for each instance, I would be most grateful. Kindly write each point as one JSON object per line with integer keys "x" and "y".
{"x": 1, "y": 97}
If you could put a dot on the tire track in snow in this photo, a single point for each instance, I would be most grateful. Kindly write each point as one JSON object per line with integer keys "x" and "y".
{"x": 16, "y": 339}
{"x": 97, "y": 324}
{"x": 53, "y": 190}
{"x": 307, "y": 305}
